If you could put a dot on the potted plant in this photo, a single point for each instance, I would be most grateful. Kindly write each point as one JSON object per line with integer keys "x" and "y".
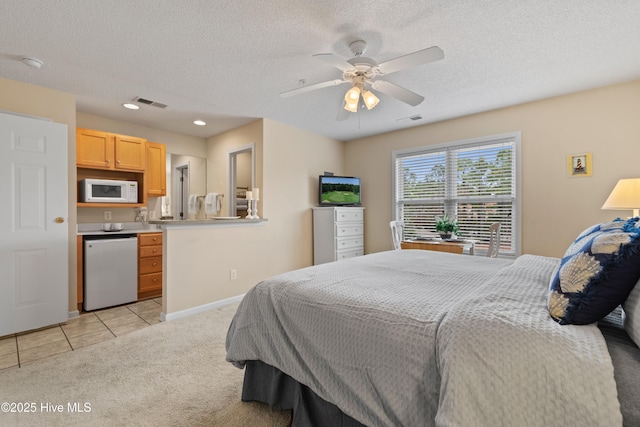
{"x": 446, "y": 226}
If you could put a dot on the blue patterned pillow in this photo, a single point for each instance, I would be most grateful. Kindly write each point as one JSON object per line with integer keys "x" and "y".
{"x": 597, "y": 273}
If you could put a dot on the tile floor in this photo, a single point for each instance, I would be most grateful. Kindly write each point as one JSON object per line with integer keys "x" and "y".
{"x": 89, "y": 328}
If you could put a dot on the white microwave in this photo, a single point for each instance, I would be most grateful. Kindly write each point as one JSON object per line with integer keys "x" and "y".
{"x": 108, "y": 191}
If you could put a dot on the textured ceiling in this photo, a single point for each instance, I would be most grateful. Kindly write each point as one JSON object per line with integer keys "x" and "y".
{"x": 226, "y": 62}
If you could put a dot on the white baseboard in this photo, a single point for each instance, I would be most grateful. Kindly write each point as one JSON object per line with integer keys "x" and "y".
{"x": 199, "y": 309}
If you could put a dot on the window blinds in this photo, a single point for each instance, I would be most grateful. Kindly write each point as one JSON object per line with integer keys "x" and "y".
{"x": 475, "y": 182}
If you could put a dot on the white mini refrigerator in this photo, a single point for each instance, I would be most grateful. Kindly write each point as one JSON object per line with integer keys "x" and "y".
{"x": 110, "y": 271}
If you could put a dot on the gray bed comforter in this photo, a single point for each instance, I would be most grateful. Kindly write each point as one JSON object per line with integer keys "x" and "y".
{"x": 386, "y": 338}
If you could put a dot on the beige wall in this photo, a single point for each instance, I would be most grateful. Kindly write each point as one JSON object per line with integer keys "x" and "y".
{"x": 556, "y": 207}
{"x": 293, "y": 159}
{"x": 289, "y": 161}
{"x": 218, "y": 148}
{"x": 60, "y": 107}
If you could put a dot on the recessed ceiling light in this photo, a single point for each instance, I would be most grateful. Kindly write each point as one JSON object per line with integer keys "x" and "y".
{"x": 32, "y": 62}
{"x": 199, "y": 122}
{"x": 131, "y": 106}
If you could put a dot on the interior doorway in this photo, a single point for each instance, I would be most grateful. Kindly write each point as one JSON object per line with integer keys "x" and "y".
{"x": 242, "y": 167}
{"x": 181, "y": 191}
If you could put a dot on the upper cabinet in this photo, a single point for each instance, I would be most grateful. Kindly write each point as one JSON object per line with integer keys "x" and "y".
{"x": 156, "y": 169}
{"x": 103, "y": 150}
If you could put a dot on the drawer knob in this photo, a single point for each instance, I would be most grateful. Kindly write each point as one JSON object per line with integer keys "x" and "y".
{"x": 155, "y": 263}
{"x": 155, "y": 250}
{"x": 155, "y": 279}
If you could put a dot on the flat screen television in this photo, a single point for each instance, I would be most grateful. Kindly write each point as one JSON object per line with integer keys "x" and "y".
{"x": 339, "y": 190}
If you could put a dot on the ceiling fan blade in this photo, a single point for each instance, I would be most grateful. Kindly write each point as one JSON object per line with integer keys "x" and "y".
{"x": 414, "y": 59}
{"x": 342, "y": 113}
{"x": 398, "y": 92}
{"x": 312, "y": 87}
{"x": 336, "y": 61}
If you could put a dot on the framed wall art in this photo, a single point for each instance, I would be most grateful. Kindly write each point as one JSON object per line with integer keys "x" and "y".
{"x": 579, "y": 164}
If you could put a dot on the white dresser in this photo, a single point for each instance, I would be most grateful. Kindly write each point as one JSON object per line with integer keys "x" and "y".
{"x": 338, "y": 233}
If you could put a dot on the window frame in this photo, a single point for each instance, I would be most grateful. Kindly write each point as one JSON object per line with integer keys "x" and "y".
{"x": 468, "y": 143}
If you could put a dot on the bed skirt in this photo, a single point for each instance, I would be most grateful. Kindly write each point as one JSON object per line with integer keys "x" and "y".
{"x": 266, "y": 384}
{"x": 625, "y": 356}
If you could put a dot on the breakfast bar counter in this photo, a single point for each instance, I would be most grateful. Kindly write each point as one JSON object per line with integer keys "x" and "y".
{"x": 205, "y": 261}
{"x": 171, "y": 223}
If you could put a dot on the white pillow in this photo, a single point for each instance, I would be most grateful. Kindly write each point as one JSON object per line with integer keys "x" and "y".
{"x": 631, "y": 309}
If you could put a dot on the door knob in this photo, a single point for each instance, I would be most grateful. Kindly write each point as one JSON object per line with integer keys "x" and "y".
{"x": 59, "y": 220}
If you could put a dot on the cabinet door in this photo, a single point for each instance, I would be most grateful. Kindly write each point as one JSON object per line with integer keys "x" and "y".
{"x": 156, "y": 169}
{"x": 130, "y": 153}
{"x": 94, "y": 149}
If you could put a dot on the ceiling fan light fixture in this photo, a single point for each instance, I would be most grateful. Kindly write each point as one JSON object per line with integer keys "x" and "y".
{"x": 351, "y": 106}
{"x": 352, "y": 95}
{"x": 370, "y": 99}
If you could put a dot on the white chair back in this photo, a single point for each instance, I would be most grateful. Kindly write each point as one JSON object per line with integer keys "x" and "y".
{"x": 494, "y": 240}
{"x": 397, "y": 230}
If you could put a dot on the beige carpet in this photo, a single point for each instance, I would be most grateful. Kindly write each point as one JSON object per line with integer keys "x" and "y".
{"x": 170, "y": 374}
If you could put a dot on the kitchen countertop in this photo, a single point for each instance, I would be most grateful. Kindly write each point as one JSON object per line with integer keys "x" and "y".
{"x": 209, "y": 221}
{"x": 128, "y": 228}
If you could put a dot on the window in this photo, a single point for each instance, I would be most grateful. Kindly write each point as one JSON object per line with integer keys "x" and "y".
{"x": 476, "y": 181}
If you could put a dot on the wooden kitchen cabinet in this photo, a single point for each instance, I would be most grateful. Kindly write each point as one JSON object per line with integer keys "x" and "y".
{"x": 94, "y": 149}
{"x": 104, "y": 150}
{"x": 104, "y": 155}
{"x": 156, "y": 170}
{"x": 149, "y": 265}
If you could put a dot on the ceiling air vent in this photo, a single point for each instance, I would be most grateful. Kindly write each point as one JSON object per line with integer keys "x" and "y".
{"x": 149, "y": 102}
{"x": 412, "y": 118}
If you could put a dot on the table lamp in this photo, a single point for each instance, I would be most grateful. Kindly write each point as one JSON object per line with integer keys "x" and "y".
{"x": 625, "y": 196}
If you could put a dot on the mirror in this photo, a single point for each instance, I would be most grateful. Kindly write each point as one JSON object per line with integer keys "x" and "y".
{"x": 185, "y": 175}
{"x": 241, "y": 178}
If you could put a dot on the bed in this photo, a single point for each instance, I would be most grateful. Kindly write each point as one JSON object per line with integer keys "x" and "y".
{"x": 422, "y": 338}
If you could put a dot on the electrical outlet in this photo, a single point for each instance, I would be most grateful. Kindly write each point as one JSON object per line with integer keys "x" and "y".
{"x": 233, "y": 274}
{"x": 107, "y": 215}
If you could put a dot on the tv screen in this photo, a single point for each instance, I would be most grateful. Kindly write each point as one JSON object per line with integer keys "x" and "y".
{"x": 339, "y": 191}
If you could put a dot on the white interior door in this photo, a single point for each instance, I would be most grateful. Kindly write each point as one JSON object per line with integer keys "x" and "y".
{"x": 34, "y": 248}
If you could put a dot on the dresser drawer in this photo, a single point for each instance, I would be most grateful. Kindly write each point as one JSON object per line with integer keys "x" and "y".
{"x": 148, "y": 239}
{"x": 349, "y": 243}
{"x": 349, "y": 254}
{"x": 149, "y": 282}
{"x": 348, "y": 215}
{"x": 150, "y": 265}
{"x": 146, "y": 251}
{"x": 343, "y": 230}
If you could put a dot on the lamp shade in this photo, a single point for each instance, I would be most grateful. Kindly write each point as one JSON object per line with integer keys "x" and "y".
{"x": 370, "y": 100}
{"x": 625, "y": 196}
{"x": 352, "y": 94}
{"x": 351, "y": 99}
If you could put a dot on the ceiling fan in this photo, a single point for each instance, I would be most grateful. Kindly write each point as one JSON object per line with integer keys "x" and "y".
{"x": 362, "y": 73}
